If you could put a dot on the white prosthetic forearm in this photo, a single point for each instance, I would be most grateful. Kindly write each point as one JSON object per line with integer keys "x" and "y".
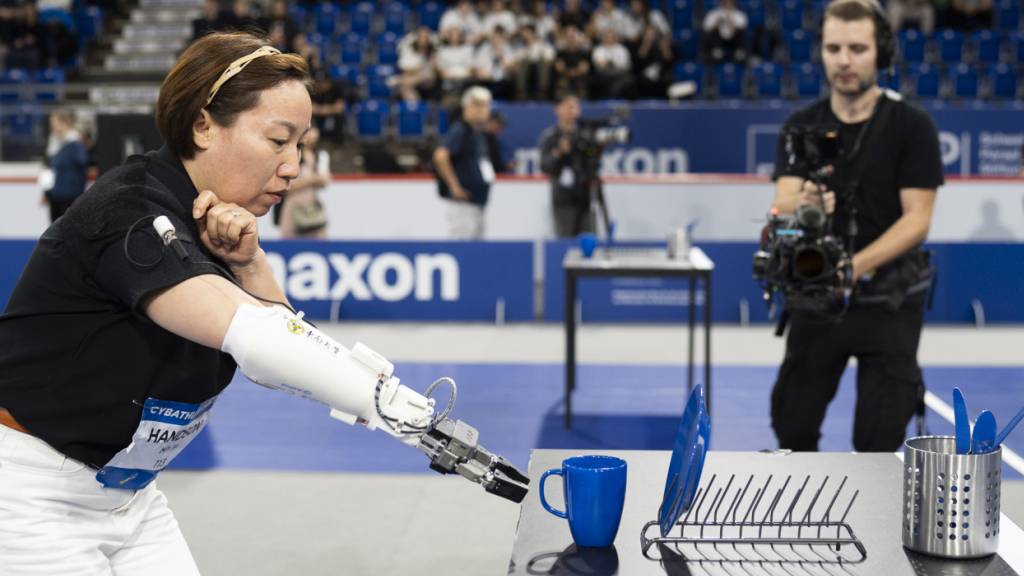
{"x": 277, "y": 349}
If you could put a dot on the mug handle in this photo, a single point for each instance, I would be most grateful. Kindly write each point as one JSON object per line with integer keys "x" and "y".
{"x": 543, "y": 500}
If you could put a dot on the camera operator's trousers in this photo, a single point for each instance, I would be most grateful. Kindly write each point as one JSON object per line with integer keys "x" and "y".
{"x": 890, "y": 387}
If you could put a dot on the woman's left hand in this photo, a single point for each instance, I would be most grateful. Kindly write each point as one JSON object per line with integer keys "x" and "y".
{"x": 226, "y": 229}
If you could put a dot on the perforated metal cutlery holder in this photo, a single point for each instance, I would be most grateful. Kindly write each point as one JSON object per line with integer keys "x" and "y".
{"x": 950, "y": 500}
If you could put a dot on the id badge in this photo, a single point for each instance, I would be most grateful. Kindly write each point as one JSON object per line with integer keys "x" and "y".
{"x": 165, "y": 429}
{"x": 567, "y": 179}
{"x": 486, "y": 170}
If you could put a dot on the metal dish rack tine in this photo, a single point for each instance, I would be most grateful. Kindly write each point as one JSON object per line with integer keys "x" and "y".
{"x": 697, "y": 495}
{"x": 725, "y": 494}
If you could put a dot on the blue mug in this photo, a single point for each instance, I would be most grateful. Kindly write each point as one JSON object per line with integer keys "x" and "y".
{"x": 594, "y": 488}
{"x": 588, "y": 242}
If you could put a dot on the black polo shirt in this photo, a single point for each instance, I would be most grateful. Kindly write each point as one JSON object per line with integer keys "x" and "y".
{"x": 905, "y": 155}
{"x": 79, "y": 358}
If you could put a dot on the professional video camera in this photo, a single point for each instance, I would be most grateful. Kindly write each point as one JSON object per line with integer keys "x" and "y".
{"x": 800, "y": 255}
{"x": 593, "y": 135}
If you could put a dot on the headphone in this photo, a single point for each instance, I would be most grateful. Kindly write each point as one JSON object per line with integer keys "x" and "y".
{"x": 885, "y": 43}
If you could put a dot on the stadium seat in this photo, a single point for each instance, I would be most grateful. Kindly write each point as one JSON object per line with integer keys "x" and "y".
{"x": 412, "y": 119}
{"x": 890, "y": 79}
{"x": 690, "y": 72}
{"x": 729, "y": 80}
{"x": 51, "y": 85}
{"x": 12, "y": 85}
{"x": 757, "y": 14}
{"x": 371, "y": 118}
{"x": 768, "y": 79}
{"x": 88, "y": 24}
{"x": 352, "y": 48}
{"x": 362, "y": 18}
{"x": 808, "y": 81}
{"x": 345, "y": 73}
{"x": 681, "y": 14}
{"x": 1003, "y": 82}
{"x": 798, "y": 46}
{"x": 964, "y": 79}
{"x": 1008, "y": 15}
{"x": 912, "y": 46}
{"x": 387, "y": 48}
{"x": 987, "y": 46}
{"x": 951, "y": 46}
{"x": 442, "y": 120}
{"x": 925, "y": 80}
{"x": 395, "y": 19}
{"x": 430, "y": 14}
{"x": 377, "y": 80}
{"x": 325, "y": 16}
{"x": 791, "y": 15}
{"x": 1017, "y": 41}
{"x": 299, "y": 13}
{"x": 687, "y": 44}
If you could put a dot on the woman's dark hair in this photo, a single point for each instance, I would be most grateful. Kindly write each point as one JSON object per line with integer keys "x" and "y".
{"x": 187, "y": 86}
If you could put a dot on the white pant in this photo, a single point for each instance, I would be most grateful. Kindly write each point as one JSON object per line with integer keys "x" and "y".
{"x": 465, "y": 220}
{"x": 57, "y": 520}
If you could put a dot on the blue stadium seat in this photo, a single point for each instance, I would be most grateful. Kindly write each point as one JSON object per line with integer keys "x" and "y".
{"x": 430, "y": 14}
{"x": 925, "y": 80}
{"x": 299, "y": 13}
{"x": 53, "y": 79}
{"x": 912, "y": 46}
{"x": 964, "y": 79}
{"x": 12, "y": 85}
{"x": 729, "y": 79}
{"x": 352, "y": 48}
{"x": 987, "y": 46}
{"x": 757, "y": 14}
{"x": 890, "y": 79}
{"x": 1008, "y": 15}
{"x": 325, "y": 14}
{"x": 690, "y": 72}
{"x": 442, "y": 120}
{"x": 768, "y": 79}
{"x": 412, "y": 119}
{"x": 951, "y": 46}
{"x": 377, "y": 80}
{"x": 808, "y": 81}
{"x": 387, "y": 49}
{"x": 362, "y": 18}
{"x": 345, "y": 73}
{"x": 88, "y": 24}
{"x": 798, "y": 46}
{"x": 681, "y": 14}
{"x": 687, "y": 44}
{"x": 371, "y": 118}
{"x": 47, "y": 15}
{"x": 1017, "y": 41}
{"x": 395, "y": 20}
{"x": 1003, "y": 82}
{"x": 791, "y": 15}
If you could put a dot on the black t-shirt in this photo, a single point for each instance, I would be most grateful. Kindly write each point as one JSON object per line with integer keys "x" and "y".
{"x": 79, "y": 356}
{"x": 905, "y": 155}
{"x": 468, "y": 149}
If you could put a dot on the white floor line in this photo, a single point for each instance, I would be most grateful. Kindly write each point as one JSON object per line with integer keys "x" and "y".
{"x": 946, "y": 411}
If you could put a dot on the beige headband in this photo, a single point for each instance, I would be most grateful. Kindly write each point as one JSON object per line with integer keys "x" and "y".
{"x": 237, "y": 67}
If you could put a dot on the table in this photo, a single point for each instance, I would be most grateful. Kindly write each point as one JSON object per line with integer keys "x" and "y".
{"x": 644, "y": 262}
{"x": 543, "y": 544}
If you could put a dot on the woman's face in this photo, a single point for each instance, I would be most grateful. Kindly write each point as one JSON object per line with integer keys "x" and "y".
{"x": 252, "y": 162}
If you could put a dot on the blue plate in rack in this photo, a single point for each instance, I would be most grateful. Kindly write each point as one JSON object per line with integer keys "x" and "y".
{"x": 684, "y": 469}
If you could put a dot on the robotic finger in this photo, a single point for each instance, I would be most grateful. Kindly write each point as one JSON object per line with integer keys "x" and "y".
{"x": 453, "y": 448}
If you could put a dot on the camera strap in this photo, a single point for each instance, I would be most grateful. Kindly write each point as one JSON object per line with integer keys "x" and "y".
{"x": 866, "y": 140}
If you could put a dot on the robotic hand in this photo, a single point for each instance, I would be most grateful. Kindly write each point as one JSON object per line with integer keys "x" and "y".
{"x": 453, "y": 449}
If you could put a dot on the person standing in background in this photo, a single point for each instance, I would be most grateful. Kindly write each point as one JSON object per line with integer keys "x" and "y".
{"x": 302, "y": 213}
{"x": 464, "y": 170}
{"x": 67, "y": 161}
{"x": 562, "y": 161}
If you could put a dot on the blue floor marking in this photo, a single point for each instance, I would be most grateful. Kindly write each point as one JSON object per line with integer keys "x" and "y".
{"x": 518, "y": 407}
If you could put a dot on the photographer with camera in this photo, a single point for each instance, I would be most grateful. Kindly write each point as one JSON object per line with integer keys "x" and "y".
{"x": 565, "y": 164}
{"x": 876, "y": 195}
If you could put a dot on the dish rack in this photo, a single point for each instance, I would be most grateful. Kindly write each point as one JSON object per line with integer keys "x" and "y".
{"x": 766, "y": 527}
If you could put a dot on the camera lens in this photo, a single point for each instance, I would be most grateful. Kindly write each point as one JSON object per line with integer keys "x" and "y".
{"x": 809, "y": 263}
{"x": 810, "y": 217}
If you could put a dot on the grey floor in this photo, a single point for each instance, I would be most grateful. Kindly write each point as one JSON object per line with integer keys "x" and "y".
{"x": 263, "y": 523}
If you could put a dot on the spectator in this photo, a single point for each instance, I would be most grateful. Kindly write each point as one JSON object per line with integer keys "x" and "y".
{"x": 724, "y": 29}
{"x": 495, "y": 150}
{"x": 542, "y": 22}
{"x": 495, "y": 64}
{"x": 572, "y": 64}
{"x": 454, "y": 62}
{"x": 533, "y": 77}
{"x": 563, "y": 160}
{"x": 612, "y": 76}
{"x": 211, "y": 20}
{"x": 302, "y": 213}
{"x": 416, "y": 77}
{"x": 67, "y": 160}
{"x": 608, "y": 17}
{"x": 574, "y": 15}
{"x": 641, "y": 16}
{"x": 241, "y": 17}
{"x": 29, "y": 38}
{"x": 328, "y": 96}
{"x": 498, "y": 17}
{"x": 969, "y": 15}
{"x": 920, "y": 12}
{"x": 653, "y": 63}
{"x": 464, "y": 169}
{"x": 463, "y": 17}
{"x": 280, "y": 24}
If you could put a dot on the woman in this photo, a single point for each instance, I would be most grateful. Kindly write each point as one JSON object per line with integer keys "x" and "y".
{"x": 68, "y": 162}
{"x": 116, "y": 345}
{"x": 302, "y": 213}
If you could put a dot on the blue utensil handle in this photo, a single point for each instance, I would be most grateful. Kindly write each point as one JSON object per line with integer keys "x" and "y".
{"x": 1009, "y": 428}
{"x": 543, "y": 500}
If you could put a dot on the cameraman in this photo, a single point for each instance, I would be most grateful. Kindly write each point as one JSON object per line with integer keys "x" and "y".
{"x": 565, "y": 164}
{"x": 888, "y": 193}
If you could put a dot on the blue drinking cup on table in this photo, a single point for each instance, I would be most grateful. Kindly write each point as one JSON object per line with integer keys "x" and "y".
{"x": 594, "y": 488}
{"x": 588, "y": 242}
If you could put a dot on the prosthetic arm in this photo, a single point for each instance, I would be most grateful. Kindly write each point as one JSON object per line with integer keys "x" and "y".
{"x": 277, "y": 349}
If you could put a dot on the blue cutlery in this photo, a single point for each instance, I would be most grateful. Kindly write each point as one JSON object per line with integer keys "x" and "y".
{"x": 962, "y": 422}
{"x": 984, "y": 437}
